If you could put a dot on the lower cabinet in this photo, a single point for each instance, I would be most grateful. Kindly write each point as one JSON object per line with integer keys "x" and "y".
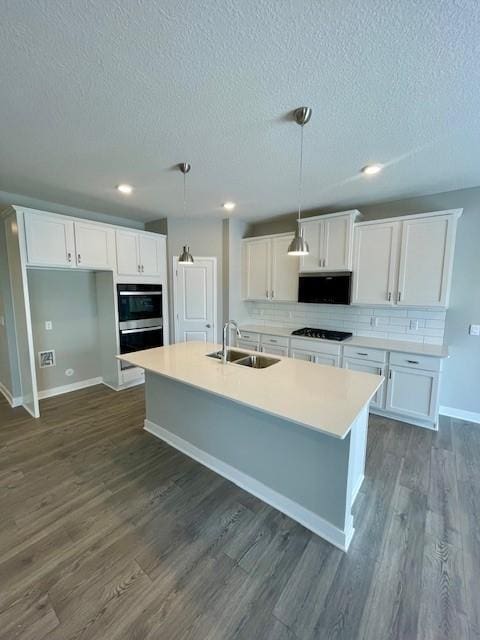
{"x": 328, "y": 359}
{"x": 275, "y": 351}
{"x": 413, "y": 392}
{"x": 378, "y": 400}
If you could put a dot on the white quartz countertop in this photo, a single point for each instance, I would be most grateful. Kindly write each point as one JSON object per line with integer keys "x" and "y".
{"x": 318, "y": 397}
{"x": 402, "y": 346}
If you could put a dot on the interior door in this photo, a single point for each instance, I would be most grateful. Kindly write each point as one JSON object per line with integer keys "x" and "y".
{"x": 256, "y": 267}
{"x": 284, "y": 285}
{"x": 195, "y": 300}
{"x": 375, "y": 263}
{"x": 128, "y": 261}
{"x": 337, "y": 243}
{"x": 149, "y": 255}
{"x": 50, "y": 240}
{"x": 312, "y": 232}
{"x": 425, "y": 261}
{"x": 95, "y": 246}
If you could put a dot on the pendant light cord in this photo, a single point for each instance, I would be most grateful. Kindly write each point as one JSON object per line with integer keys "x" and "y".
{"x": 300, "y": 176}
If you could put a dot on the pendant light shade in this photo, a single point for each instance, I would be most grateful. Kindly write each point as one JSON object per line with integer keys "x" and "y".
{"x": 185, "y": 257}
{"x": 299, "y": 246}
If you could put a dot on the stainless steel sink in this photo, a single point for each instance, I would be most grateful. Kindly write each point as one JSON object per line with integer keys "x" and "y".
{"x": 232, "y": 355}
{"x": 257, "y": 362}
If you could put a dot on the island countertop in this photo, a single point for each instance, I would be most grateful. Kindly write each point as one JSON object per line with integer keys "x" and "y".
{"x": 322, "y": 398}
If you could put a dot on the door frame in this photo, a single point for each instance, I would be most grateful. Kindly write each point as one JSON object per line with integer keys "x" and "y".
{"x": 213, "y": 260}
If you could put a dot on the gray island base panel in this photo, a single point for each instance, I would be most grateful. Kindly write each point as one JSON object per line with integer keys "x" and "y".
{"x": 308, "y": 475}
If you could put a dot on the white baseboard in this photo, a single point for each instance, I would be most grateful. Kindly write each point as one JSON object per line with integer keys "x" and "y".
{"x": 305, "y": 517}
{"x": 468, "y": 416}
{"x": 406, "y": 419}
{"x": 67, "y": 388}
{"x": 13, "y": 401}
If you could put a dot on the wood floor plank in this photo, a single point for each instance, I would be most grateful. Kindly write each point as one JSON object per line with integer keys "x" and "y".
{"x": 108, "y": 532}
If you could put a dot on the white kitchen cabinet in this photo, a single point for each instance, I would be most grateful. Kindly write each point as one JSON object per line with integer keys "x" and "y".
{"x": 406, "y": 261}
{"x": 256, "y": 269}
{"x": 275, "y": 350}
{"x": 268, "y": 272}
{"x": 50, "y": 240}
{"x": 284, "y": 275}
{"x": 413, "y": 392}
{"x": 426, "y": 261}
{"x": 138, "y": 253}
{"x": 301, "y": 354}
{"x": 94, "y": 246}
{"x": 366, "y": 366}
{"x": 375, "y": 263}
{"x": 330, "y": 240}
{"x": 246, "y": 344}
{"x": 315, "y": 357}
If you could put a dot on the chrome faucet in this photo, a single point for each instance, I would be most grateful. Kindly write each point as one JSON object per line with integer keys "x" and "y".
{"x": 225, "y": 331}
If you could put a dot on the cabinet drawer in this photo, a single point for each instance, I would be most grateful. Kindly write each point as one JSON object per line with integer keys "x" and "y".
{"x": 247, "y": 336}
{"x": 427, "y": 363}
{"x": 279, "y": 341}
{"x": 318, "y": 346}
{"x": 377, "y": 355}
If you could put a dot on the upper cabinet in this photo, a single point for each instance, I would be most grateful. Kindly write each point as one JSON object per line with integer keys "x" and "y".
{"x": 405, "y": 262}
{"x": 268, "y": 272}
{"x": 57, "y": 241}
{"x": 330, "y": 240}
{"x": 138, "y": 253}
{"x": 50, "y": 240}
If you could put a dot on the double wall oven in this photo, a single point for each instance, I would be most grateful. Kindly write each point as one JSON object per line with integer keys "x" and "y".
{"x": 140, "y": 317}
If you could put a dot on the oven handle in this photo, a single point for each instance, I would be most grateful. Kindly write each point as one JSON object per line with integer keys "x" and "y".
{"x": 140, "y": 293}
{"x": 144, "y": 330}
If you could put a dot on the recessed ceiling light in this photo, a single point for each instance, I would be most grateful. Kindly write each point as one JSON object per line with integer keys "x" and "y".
{"x": 125, "y": 188}
{"x": 372, "y": 169}
{"x": 229, "y": 206}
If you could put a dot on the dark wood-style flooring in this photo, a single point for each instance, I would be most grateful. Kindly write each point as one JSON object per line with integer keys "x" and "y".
{"x": 107, "y": 533}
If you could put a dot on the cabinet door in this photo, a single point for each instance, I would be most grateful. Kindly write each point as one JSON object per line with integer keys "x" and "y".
{"x": 327, "y": 359}
{"x": 149, "y": 255}
{"x": 95, "y": 246}
{"x": 256, "y": 269}
{"x": 413, "y": 392}
{"x": 378, "y": 399}
{"x": 50, "y": 240}
{"x": 375, "y": 263}
{"x": 312, "y": 232}
{"x": 284, "y": 284}
{"x": 426, "y": 261}
{"x": 300, "y": 354}
{"x": 337, "y": 243}
{"x": 246, "y": 344}
{"x": 128, "y": 262}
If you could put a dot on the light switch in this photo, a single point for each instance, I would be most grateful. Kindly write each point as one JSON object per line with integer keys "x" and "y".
{"x": 48, "y": 325}
{"x": 474, "y": 330}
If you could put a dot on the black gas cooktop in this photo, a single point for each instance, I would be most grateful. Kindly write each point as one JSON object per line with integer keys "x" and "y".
{"x": 324, "y": 334}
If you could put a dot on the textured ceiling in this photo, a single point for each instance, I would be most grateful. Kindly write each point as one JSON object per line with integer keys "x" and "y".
{"x": 97, "y": 92}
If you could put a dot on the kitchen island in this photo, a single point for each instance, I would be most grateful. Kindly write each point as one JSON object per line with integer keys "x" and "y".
{"x": 293, "y": 434}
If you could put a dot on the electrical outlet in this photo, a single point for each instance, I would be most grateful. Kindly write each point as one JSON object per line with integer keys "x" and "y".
{"x": 2, "y": 321}
{"x": 374, "y": 321}
{"x": 474, "y": 330}
{"x": 48, "y": 325}
{"x": 413, "y": 325}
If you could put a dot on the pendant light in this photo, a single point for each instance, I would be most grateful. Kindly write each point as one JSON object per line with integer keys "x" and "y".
{"x": 299, "y": 246}
{"x": 185, "y": 257}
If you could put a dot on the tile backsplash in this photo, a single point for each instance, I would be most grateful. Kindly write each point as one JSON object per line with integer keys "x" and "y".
{"x": 414, "y": 325}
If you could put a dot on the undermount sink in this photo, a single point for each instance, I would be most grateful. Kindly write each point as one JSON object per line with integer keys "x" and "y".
{"x": 252, "y": 360}
{"x": 232, "y": 355}
{"x": 257, "y": 362}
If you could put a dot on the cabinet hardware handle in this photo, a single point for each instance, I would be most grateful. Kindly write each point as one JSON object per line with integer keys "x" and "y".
{"x": 413, "y": 361}
{"x": 143, "y": 268}
{"x": 69, "y": 256}
{"x": 79, "y": 258}
{"x": 208, "y": 326}
{"x": 360, "y": 353}
{"x": 266, "y": 294}
{"x": 390, "y": 374}
{"x": 273, "y": 293}
{"x": 389, "y": 296}
{"x": 139, "y": 269}
{"x": 271, "y": 340}
{"x": 399, "y": 296}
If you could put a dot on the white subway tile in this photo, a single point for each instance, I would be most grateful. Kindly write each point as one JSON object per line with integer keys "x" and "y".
{"x": 426, "y": 314}
{"x": 435, "y": 324}
{"x": 395, "y": 328}
{"x": 371, "y": 334}
{"x": 390, "y": 312}
{"x": 405, "y": 337}
{"x": 430, "y": 340}
{"x": 401, "y": 322}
